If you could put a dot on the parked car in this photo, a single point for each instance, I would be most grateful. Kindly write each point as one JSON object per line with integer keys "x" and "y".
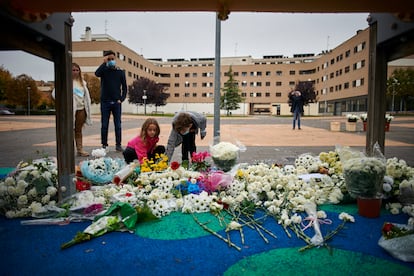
{"x": 5, "y": 111}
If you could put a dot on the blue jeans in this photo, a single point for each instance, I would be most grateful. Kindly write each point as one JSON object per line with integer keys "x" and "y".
{"x": 296, "y": 116}
{"x": 106, "y": 109}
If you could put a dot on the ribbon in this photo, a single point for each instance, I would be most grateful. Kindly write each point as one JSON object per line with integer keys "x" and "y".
{"x": 312, "y": 220}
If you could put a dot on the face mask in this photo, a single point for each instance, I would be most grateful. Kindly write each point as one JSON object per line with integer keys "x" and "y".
{"x": 185, "y": 133}
{"x": 111, "y": 63}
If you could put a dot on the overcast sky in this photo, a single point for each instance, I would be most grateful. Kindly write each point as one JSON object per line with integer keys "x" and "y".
{"x": 192, "y": 35}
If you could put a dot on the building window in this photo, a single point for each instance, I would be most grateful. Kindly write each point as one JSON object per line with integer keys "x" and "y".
{"x": 176, "y": 95}
{"x": 278, "y": 83}
{"x": 194, "y": 95}
{"x": 194, "y": 84}
{"x": 359, "y": 47}
{"x": 194, "y": 75}
{"x": 291, "y": 72}
{"x": 176, "y": 85}
{"x": 267, "y": 94}
{"x": 259, "y": 73}
{"x": 278, "y": 94}
{"x": 346, "y": 85}
{"x": 177, "y": 75}
{"x": 347, "y": 69}
{"x": 258, "y": 94}
{"x": 244, "y": 83}
{"x": 244, "y": 94}
{"x": 268, "y": 73}
{"x": 187, "y": 75}
{"x": 348, "y": 53}
{"x": 278, "y": 73}
{"x": 187, "y": 84}
{"x": 244, "y": 74}
{"x": 259, "y": 83}
{"x": 291, "y": 83}
{"x": 332, "y": 61}
{"x": 186, "y": 95}
{"x": 267, "y": 83}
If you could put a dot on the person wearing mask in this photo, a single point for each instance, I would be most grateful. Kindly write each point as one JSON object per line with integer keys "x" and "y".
{"x": 113, "y": 93}
{"x": 185, "y": 127}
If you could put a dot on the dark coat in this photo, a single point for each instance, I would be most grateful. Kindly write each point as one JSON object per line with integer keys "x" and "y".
{"x": 297, "y": 103}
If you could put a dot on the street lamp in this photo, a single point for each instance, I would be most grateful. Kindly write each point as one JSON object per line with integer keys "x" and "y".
{"x": 395, "y": 82}
{"x": 144, "y": 97}
{"x": 28, "y": 100}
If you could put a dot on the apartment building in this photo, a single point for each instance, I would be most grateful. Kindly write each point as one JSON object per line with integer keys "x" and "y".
{"x": 339, "y": 75}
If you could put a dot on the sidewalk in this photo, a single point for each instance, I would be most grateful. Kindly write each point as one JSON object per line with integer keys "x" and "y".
{"x": 265, "y": 138}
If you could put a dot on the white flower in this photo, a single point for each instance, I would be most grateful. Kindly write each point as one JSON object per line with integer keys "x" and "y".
{"x": 233, "y": 225}
{"x": 346, "y": 217}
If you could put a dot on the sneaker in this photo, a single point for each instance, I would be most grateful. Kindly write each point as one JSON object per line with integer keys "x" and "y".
{"x": 106, "y": 148}
{"x": 119, "y": 148}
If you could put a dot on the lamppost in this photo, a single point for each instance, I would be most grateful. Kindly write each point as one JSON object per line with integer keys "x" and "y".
{"x": 394, "y": 83}
{"x": 28, "y": 100}
{"x": 144, "y": 97}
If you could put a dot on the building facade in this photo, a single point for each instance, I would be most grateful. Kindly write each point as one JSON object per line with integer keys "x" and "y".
{"x": 340, "y": 76}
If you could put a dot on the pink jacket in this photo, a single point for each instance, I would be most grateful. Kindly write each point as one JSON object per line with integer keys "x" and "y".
{"x": 141, "y": 148}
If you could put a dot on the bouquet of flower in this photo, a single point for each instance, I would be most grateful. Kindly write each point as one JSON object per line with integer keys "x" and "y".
{"x": 388, "y": 118}
{"x": 160, "y": 163}
{"x": 224, "y": 155}
{"x": 352, "y": 117}
{"x": 363, "y": 117}
{"x": 101, "y": 170}
{"x": 364, "y": 176}
{"x": 398, "y": 240}
{"x": 29, "y": 189}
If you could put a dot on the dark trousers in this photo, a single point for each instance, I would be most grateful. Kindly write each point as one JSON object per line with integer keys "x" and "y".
{"x": 106, "y": 109}
{"x": 188, "y": 146}
{"x": 130, "y": 154}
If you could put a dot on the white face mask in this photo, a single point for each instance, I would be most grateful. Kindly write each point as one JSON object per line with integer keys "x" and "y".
{"x": 186, "y": 132}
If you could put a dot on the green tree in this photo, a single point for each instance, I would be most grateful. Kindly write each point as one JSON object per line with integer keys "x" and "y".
{"x": 6, "y": 81}
{"x": 18, "y": 95}
{"x": 400, "y": 86}
{"x": 231, "y": 97}
{"x": 94, "y": 87}
{"x": 153, "y": 91}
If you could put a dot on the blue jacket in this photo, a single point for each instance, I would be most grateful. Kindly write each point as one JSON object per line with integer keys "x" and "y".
{"x": 113, "y": 83}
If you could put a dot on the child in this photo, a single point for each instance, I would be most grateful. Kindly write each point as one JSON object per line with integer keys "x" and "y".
{"x": 185, "y": 127}
{"x": 144, "y": 145}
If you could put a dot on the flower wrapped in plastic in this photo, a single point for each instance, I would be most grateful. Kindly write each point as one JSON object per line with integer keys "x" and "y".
{"x": 225, "y": 155}
{"x": 398, "y": 240}
{"x": 30, "y": 189}
{"x": 101, "y": 170}
{"x": 364, "y": 175}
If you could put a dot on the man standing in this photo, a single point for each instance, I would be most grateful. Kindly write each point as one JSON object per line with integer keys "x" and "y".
{"x": 113, "y": 93}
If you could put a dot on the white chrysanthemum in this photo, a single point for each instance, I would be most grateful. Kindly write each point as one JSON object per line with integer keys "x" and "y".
{"x": 9, "y": 181}
{"x": 52, "y": 191}
{"x": 233, "y": 225}
{"x": 346, "y": 217}
{"x": 45, "y": 199}
{"x": 22, "y": 200}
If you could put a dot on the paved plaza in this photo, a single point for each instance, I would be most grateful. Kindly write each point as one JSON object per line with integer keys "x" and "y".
{"x": 266, "y": 138}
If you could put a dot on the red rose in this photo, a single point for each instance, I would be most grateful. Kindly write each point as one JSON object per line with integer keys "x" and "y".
{"x": 387, "y": 228}
{"x": 175, "y": 165}
{"x": 82, "y": 185}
